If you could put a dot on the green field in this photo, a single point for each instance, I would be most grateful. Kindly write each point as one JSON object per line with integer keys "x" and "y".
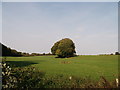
{"x": 80, "y": 66}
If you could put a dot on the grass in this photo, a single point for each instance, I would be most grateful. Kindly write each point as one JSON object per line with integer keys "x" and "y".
{"x": 92, "y": 66}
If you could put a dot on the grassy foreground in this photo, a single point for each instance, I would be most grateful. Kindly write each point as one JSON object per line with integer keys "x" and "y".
{"x": 92, "y": 66}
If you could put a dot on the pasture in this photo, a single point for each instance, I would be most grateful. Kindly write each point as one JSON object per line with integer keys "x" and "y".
{"x": 92, "y": 66}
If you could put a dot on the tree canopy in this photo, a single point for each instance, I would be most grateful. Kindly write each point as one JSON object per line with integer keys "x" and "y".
{"x": 64, "y": 48}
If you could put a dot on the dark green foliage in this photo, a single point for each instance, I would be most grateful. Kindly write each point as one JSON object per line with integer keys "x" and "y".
{"x": 117, "y": 53}
{"x": 64, "y": 48}
{"x": 5, "y": 51}
{"x": 38, "y": 54}
{"x": 22, "y": 78}
{"x": 25, "y": 54}
{"x": 28, "y": 77}
{"x": 34, "y": 54}
{"x": 43, "y": 53}
{"x": 8, "y": 51}
{"x": 55, "y": 47}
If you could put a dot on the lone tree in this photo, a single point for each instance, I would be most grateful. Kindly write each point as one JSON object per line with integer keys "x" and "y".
{"x": 64, "y": 48}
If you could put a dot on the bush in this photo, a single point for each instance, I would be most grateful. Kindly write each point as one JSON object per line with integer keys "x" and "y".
{"x": 117, "y": 53}
{"x": 26, "y": 77}
{"x": 8, "y": 80}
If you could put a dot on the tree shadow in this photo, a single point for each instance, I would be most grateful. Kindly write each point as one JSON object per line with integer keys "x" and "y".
{"x": 20, "y": 63}
{"x": 66, "y": 57}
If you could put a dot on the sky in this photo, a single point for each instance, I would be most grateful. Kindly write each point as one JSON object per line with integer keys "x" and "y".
{"x": 60, "y": 0}
{"x": 34, "y": 27}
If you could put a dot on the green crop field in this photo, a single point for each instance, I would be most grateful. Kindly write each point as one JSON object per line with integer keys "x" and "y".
{"x": 93, "y": 66}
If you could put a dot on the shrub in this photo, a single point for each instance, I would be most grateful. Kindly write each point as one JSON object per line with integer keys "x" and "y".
{"x": 25, "y": 77}
{"x": 117, "y": 53}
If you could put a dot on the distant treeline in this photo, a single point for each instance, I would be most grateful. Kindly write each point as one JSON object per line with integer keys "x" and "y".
{"x": 116, "y": 53}
{"x": 6, "y": 51}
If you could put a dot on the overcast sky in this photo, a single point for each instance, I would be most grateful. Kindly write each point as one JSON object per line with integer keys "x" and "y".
{"x": 35, "y": 27}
